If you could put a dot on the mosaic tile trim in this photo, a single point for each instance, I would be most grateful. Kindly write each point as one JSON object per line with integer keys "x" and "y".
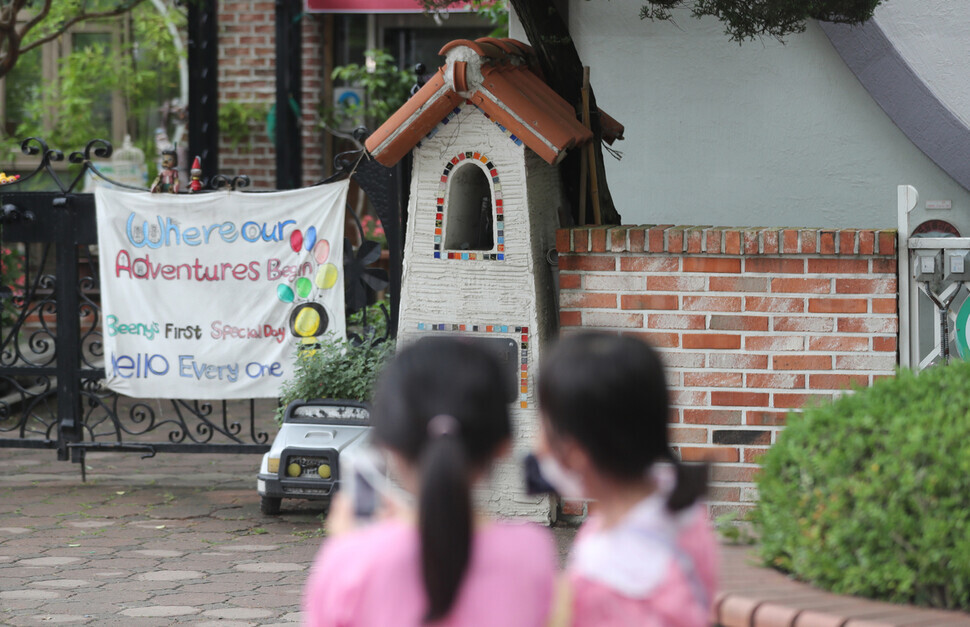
{"x": 522, "y": 332}
{"x": 439, "y": 216}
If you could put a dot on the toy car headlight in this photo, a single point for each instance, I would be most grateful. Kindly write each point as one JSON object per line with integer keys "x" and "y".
{"x": 273, "y": 464}
{"x": 324, "y": 471}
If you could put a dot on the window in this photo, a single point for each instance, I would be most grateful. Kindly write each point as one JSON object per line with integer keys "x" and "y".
{"x": 470, "y": 213}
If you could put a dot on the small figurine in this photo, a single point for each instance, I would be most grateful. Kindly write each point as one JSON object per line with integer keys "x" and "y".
{"x": 196, "y": 173}
{"x": 168, "y": 178}
{"x": 4, "y": 179}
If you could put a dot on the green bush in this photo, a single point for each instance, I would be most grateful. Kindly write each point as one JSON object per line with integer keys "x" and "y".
{"x": 339, "y": 370}
{"x": 870, "y": 495}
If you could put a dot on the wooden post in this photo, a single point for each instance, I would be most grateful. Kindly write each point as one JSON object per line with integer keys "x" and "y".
{"x": 590, "y": 154}
{"x": 584, "y": 155}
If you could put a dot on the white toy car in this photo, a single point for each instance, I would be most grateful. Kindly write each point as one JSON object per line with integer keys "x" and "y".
{"x": 304, "y": 461}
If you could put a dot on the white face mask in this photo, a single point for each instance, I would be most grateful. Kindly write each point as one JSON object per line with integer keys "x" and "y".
{"x": 567, "y": 483}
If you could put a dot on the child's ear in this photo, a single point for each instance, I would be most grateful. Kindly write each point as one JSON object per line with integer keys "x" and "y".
{"x": 504, "y": 449}
{"x": 575, "y": 457}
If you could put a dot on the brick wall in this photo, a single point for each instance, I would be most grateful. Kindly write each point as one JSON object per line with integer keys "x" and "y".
{"x": 247, "y": 73}
{"x": 751, "y": 324}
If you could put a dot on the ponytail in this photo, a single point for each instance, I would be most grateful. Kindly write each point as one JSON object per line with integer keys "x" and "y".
{"x": 690, "y": 486}
{"x": 444, "y": 522}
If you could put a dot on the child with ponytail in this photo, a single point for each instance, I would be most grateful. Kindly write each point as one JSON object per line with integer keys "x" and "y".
{"x": 646, "y": 556}
{"x": 441, "y": 416}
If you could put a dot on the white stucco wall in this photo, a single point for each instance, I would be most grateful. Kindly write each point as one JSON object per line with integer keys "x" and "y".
{"x": 762, "y": 134}
{"x": 488, "y": 293}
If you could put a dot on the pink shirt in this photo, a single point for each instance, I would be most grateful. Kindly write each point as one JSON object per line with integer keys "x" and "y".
{"x": 654, "y": 569}
{"x": 372, "y": 577}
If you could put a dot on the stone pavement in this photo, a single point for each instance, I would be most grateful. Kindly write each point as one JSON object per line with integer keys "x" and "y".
{"x": 176, "y": 539}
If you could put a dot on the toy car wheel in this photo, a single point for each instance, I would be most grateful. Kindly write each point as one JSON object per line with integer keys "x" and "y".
{"x": 269, "y": 505}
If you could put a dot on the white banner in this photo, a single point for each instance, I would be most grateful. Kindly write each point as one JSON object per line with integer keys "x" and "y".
{"x": 206, "y": 296}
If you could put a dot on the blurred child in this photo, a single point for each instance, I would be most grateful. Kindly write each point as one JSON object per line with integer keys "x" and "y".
{"x": 646, "y": 556}
{"x": 441, "y": 414}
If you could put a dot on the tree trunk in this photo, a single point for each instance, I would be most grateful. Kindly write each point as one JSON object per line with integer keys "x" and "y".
{"x": 563, "y": 70}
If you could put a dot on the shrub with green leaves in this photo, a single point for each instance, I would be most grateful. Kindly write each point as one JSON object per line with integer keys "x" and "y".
{"x": 339, "y": 370}
{"x": 870, "y": 495}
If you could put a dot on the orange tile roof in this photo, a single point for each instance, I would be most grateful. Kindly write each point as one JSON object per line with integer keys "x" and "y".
{"x": 504, "y": 84}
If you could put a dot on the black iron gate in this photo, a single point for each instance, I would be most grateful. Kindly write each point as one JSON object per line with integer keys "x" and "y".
{"x": 51, "y": 352}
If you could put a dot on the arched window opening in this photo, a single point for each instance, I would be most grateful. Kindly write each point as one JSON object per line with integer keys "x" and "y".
{"x": 470, "y": 213}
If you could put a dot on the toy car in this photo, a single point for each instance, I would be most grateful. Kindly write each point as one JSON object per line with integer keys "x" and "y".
{"x": 303, "y": 462}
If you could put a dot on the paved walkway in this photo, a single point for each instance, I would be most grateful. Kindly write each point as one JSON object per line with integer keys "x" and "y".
{"x": 179, "y": 539}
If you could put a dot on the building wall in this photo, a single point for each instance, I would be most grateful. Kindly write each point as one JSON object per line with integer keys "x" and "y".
{"x": 756, "y": 134}
{"x": 751, "y": 324}
{"x": 247, "y": 73}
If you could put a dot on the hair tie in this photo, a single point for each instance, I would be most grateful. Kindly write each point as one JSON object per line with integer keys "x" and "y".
{"x": 442, "y": 425}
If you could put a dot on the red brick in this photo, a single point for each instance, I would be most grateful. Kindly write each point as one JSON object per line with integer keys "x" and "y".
{"x": 679, "y": 359}
{"x": 655, "y": 237}
{"x": 716, "y": 341}
{"x": 638, "y": 238}
{"x": 751, "y": 242}
{"x": 738, "y": 284}
{"x": 780, "y": 305}
{"x": 887, "y": 243}
{"x": 865, "y": 286}
{"x": 714, "y": 240}
{"x": 677, "y": 283}
{"x": 712, "y": 416}
{"x": 587, "y": 262}
{"x": 738, "y": 361}
{"x": 827, "y": 242}
{"x": 803, "y": 323}
{"x": 573, "y": 507}
{"x": 739, "y": 399}
{"x": 570, "y": 281}
{"x": 732, "y": 242}
{"x": 694, "y": 240}
{"x": 712, "y": 264}
{"x": 797, "y": 401}
{"x": 676, "y": 321}
{"x": 570, "y": 319}
{"x": 721, "y": 493}
{"x": 847, "y": 242}
{"x": 564, "y": 240}
{"x": 775, "y": 265}
{"x": 789, "y": 241}
{"x": 884, "y": 266}
{"x": 587, "y": 300}
{"x": 711, "y": 303}
{"x": 659, "y": 340}
{"x": 709, "y": 454}
{"x": 713, "y": 379}
{"x": 753, "y": 455}
{"x": 775, "y": 380}
{"x": 675, "y": 240}
{"x": 774, "y": 343}
{"x": 838, "y": 266}
{"x": 648, "y": 264}
{"x": 617, "y": 239}
{"x": 689, "y": 398}
{"x": 721, "y": 322}
{"x": 581, "y": 240}
{"x": 838, "y": 305}
{"x": 884, "y": 344}
{"x": 769, "y": 242}
{"x": 808, "y": 243}
{"x": 598, "y": 240}
{"x": 867, "y": 242}
{"x": 836, "y": 381}
{"x": 648, "y": 301}
{"x": 884, "y": 305}
{"x": 734, "y": 474}
{"x": 801, "y": 362}
{"x": 765, "y": 418}
{"x": 687, "y": 435}
{"x": 801, "y": 286}
{"x": 838, "y": 344}
{"x": 868, "y": 325}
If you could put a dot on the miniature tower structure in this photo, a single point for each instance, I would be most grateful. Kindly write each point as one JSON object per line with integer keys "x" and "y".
{"x": 486, "y": 133}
